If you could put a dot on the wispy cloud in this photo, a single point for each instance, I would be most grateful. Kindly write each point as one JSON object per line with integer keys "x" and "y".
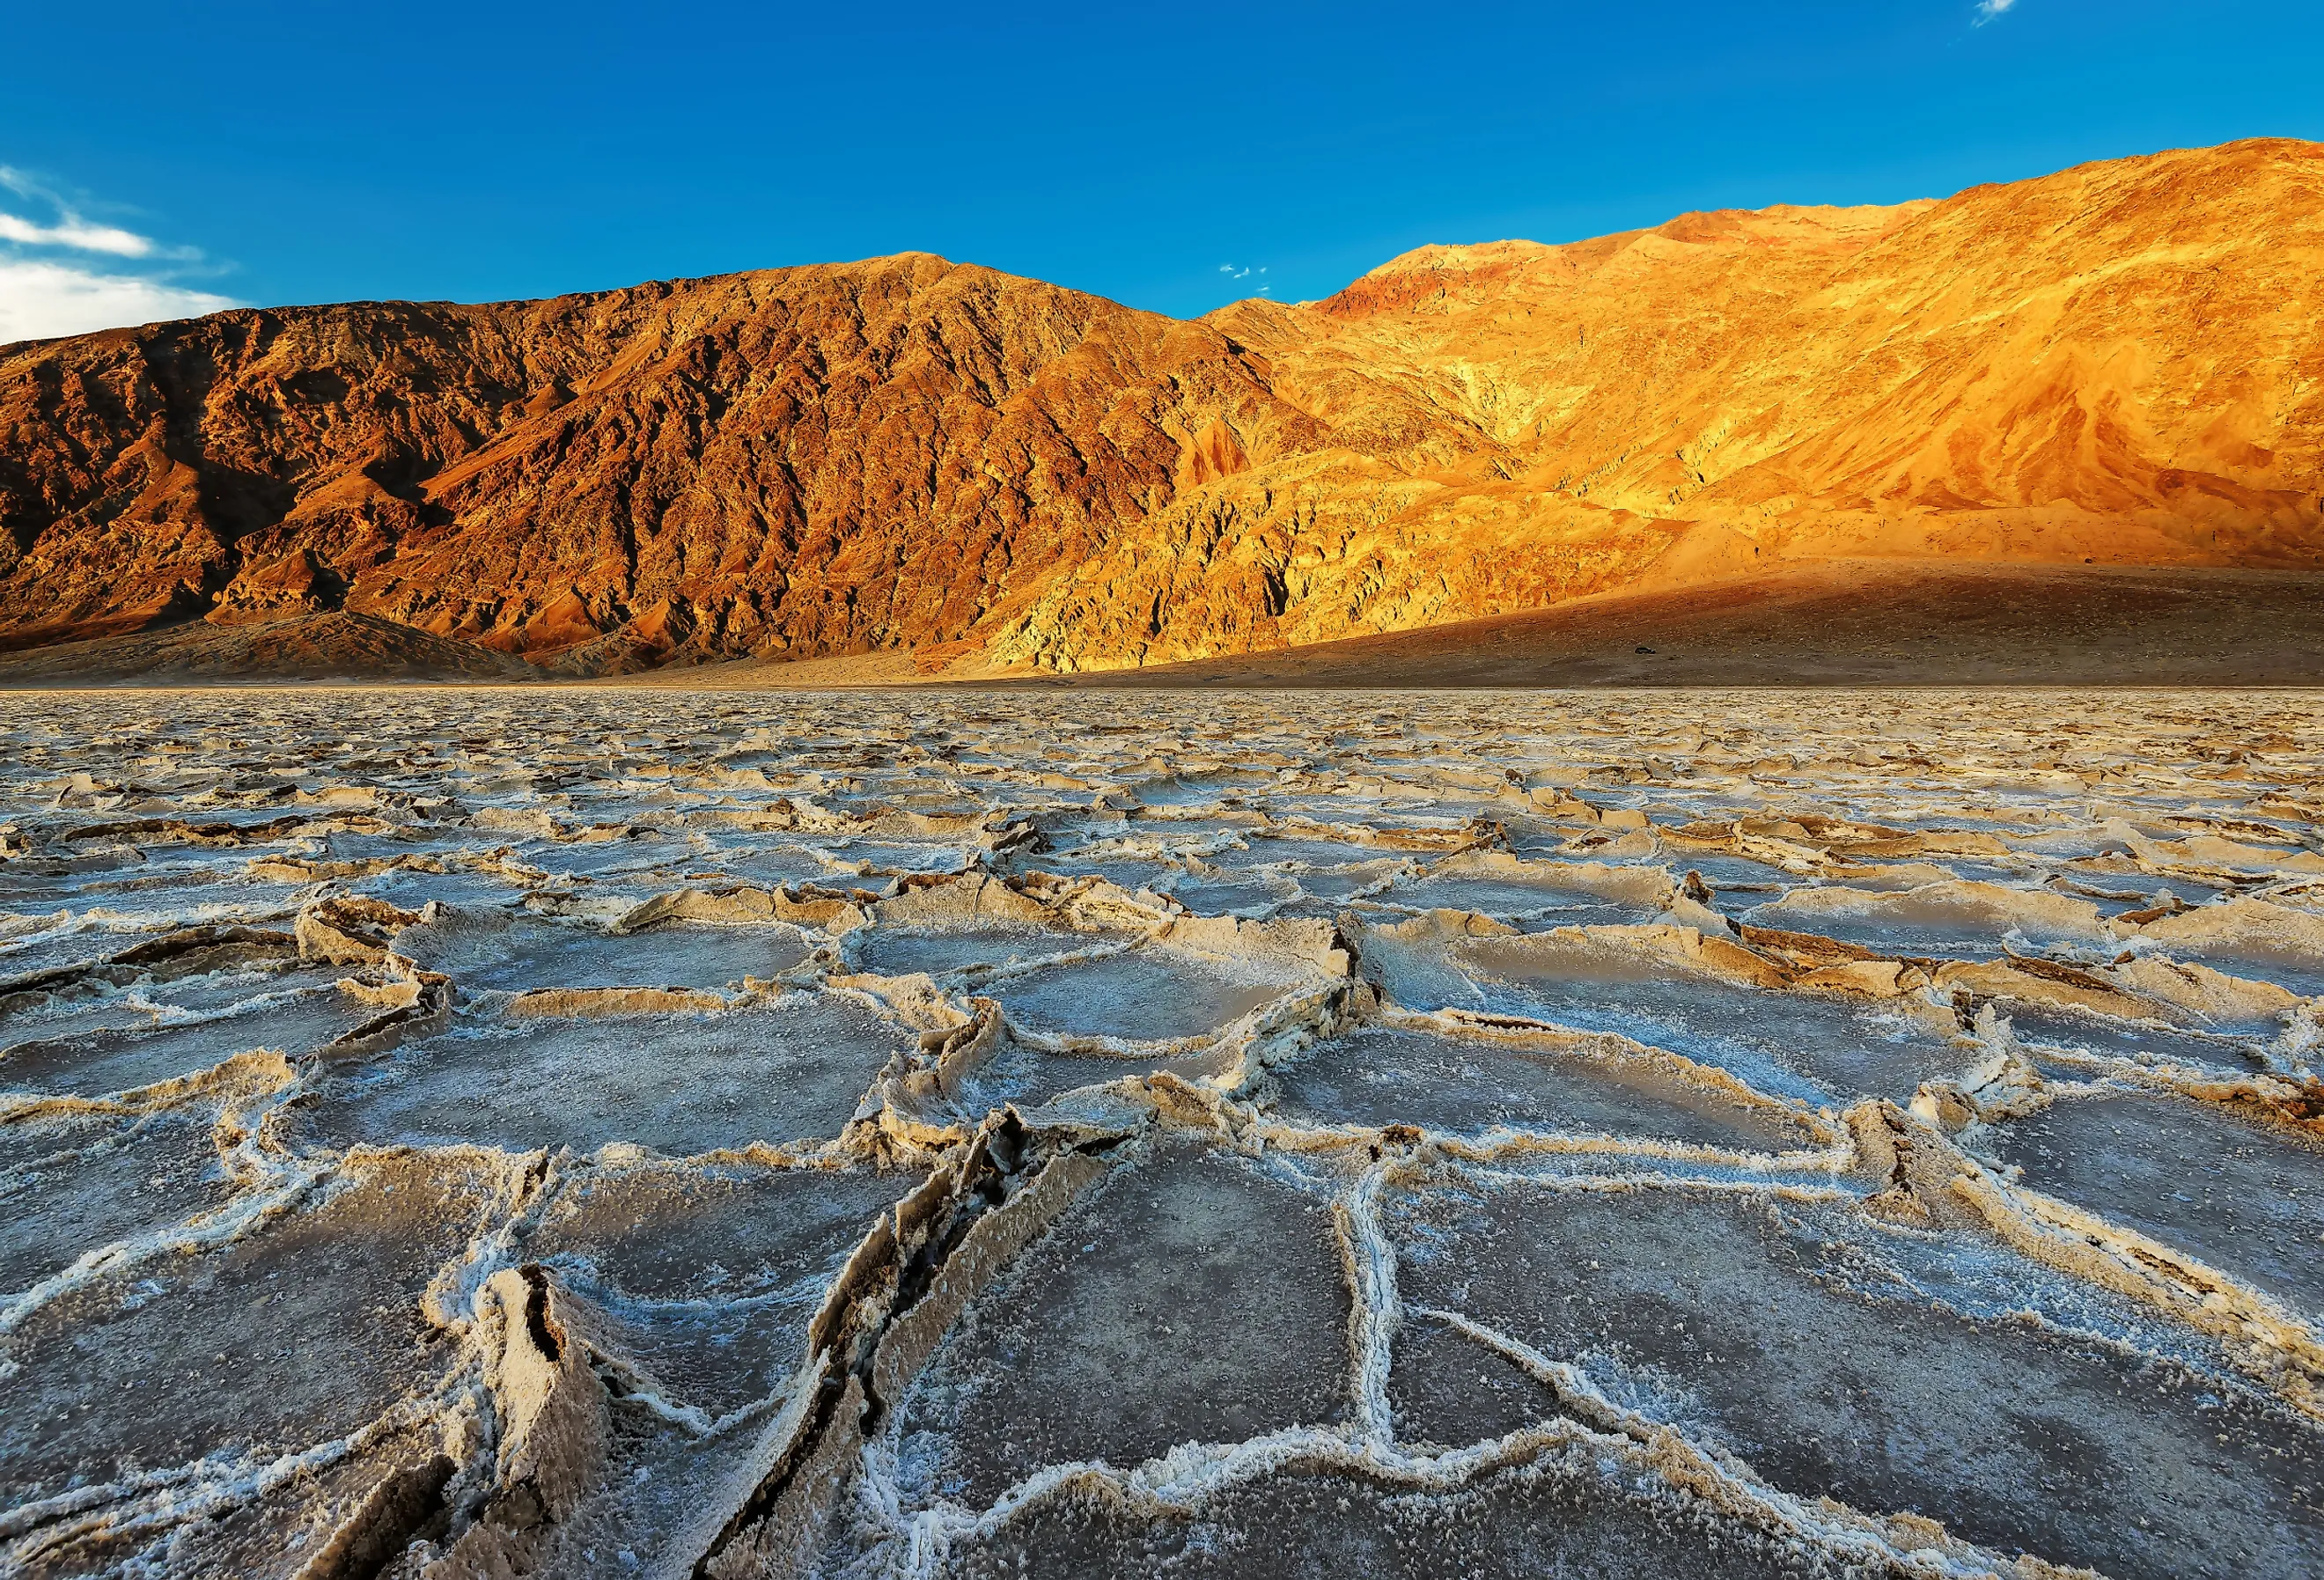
{"x": 43, "y": 294}
{"x": 1987, "y": 10}
{"x": 1244, "y": 273}
{"x": 72, "y": 231}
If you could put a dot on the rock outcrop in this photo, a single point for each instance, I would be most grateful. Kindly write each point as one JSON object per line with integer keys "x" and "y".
{"x": 2113, "y": 364}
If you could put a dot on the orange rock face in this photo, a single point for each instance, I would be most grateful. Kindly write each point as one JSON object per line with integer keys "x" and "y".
{"x": 2119, "y": 364}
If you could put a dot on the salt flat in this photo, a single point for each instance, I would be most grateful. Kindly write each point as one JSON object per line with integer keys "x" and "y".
{"x": 507, "y": 1131}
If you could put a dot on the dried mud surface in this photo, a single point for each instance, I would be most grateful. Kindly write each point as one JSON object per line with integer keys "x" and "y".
{"x": 570, "y": 1132}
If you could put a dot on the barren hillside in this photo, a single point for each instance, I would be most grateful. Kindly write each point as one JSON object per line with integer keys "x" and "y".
{"x": 2116, "y": 365}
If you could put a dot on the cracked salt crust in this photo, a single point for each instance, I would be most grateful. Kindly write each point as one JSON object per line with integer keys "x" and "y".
{"x": 925, "y": 1134}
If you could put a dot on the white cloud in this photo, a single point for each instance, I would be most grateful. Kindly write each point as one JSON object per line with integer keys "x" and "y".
{"x": 1987, "y": 10}
{"x": 39, "y": 298}
{"x": 76, "y": 232}
{"x": 42, "y": 296}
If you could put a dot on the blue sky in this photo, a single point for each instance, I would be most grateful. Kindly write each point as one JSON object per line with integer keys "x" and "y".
{"x": 159, "y": 158}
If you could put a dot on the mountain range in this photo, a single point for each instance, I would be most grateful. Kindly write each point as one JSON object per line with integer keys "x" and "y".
{"x": 2117, "y": 365}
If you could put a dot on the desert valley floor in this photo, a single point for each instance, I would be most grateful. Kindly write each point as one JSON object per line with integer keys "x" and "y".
{"x": 577, "y": 1131}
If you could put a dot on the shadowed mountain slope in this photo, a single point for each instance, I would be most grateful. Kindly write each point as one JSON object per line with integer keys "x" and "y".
{"x": 334, "y": 645}
{"x": 1838, "y": 622}
{"x": 2116, "y": 365}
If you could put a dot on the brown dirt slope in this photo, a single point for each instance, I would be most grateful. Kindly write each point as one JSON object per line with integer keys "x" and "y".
{"x": 1842, "y": 622}
{"x": 2116, "y": 365}
{"x": 333, "y": 646}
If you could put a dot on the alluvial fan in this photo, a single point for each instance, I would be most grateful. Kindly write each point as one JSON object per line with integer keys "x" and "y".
{"x": 552, "y": 1133}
